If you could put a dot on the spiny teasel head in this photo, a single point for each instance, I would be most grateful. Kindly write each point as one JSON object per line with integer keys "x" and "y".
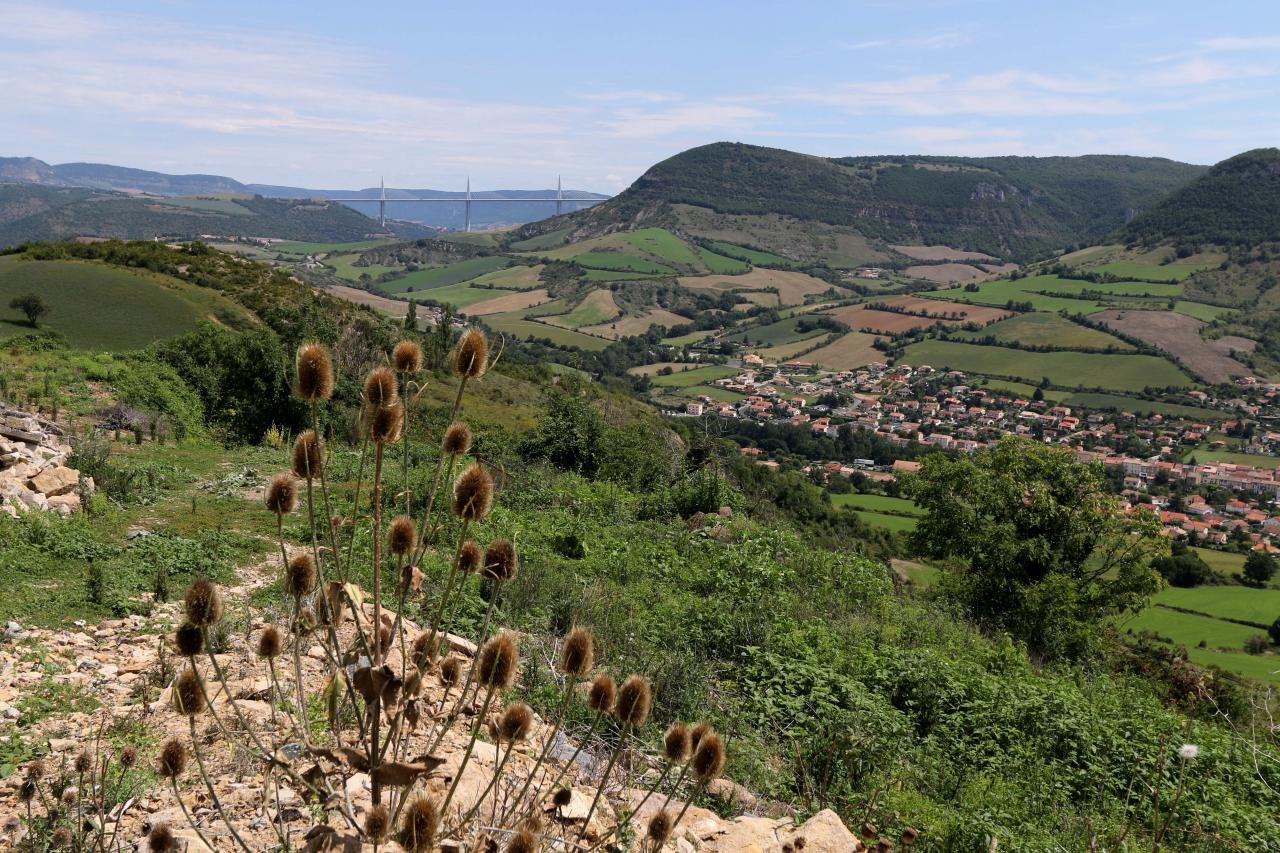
{"x": 696, "y": 734}
{"x": 27, "y": 790}
{"x": 632, "y": 706}
{"x": 498, "y": 662}
{"x": 603, "y": 693}
{"x": 83, "y": 762}
{"x": 376, "y": 823}
{"x": 457, "y": 439}
{"x": 300, "y": 575}
{"x": 562, "y": 797}
{"x": 385, "y": 423}
{"x": 128, "y": 757}
{"x": 61, "y": 838}
{"x": 70, "y": 795}
{"x": 450, "y": 671}
{"x": 269, "y": 643}
{"x": 516, "y": 722}
{"x": 471, "y": 356}
{"x": 282, "y": 494}
{"x": 173, "y": 759}
{"x": 660, "y": 826}
{"x": 677, "y": 744}
{"x": 403, "y": 536}
{"x": 473, "y": 494}
{"x": 36, "y": 770}
{"x": 868, "y": 830}
{"x": 578, "y": 654}
{"x": 161, "y": 839}
{"x": 203, "y": 603}
{"x": 315, "y": 373}
{"x": 909, "y": 836}
{"x": 407, "y": 357}
{"x": 708, "y": 758}
{"x": 523, "y": 841}
{"x": 426, "y": 649}
{"x": 188, "y": 694}
{"x": 308, "y": 455}
{"x": 419, "y": 826}
{"x": 500, "y": 561}
{"x": 470, "y": 558}
{"x": 189, "y": 639}
{"x": 380, "y": 388}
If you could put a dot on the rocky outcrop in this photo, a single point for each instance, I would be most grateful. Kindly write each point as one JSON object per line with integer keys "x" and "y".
{"x": 33, "y": 469}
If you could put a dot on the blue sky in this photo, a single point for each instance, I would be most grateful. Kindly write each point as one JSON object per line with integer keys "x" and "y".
{"x": 334, "y": 95}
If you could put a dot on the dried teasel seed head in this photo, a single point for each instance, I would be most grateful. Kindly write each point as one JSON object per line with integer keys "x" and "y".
{"x": 868, "y": 830}
{"x": 173, "y": 759}
{"x": 498, "y": 663}
{"x": 603, "y": 693}
{"x": 128, "y": 757}
{"x": 660, "y": 826}
{"x": 516, "y": 722}
{"x": 909, "y": 836}
{"x": 696, "y": 734}
{"x": 407, "y": 357}
{"x": 61, "y": 838}
{"x": 677, "y": 744}
{"x": 523, "y": 841}
{"x": 70, "y": 795}
{"x": 377, "y": 822}
{"x": 315, "y": 373}
{"x": 300, "y": 575}
{"x": 473, "y": 494}
{"x": 471, "y": 356}
{"x": 385, "y": 423}
{"x": 203, "y": 603}
{"x": 457, "y": 439}
{"x": 470, "y": 558}
{"x": 84, "y": 762}
{"x": 380, "y": 388}
{"x": 632, "y": 706}
{"x": 403, "y": 536}
{"x": 426, "y": 649}
{"x": 419, "y": 825}
{"x": 188, "y": 694}
{"x": 708, "y": 759}
{"x": 27, "y": 790}
{"x": 308, "y": 455}
{"x": 450, "y": 671}
{"x": 189, "y": 639}
{"x": 36, "y": 770}
{"x": 269, "y": 643}
{"x": 282, "y": 494}
{"x": 578, "y": 655}
{"x": 161, "y": 839}
{"x": 562, "y": 798}
{"x": 500, "y": 561}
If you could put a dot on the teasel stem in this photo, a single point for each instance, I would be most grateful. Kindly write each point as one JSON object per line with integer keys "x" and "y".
{"x": 652, "y": 788}
{"x": 604, "y": 780}
{"x": 471, "y": 745}
{"x": 492, "y": 786}
{"x": 375, "y": 707}
{"x": 453, "y": 574}
{"x": 213, "y": 793}
{"x": 546, "y": 747}
{"x": 427, "y": 530}
{"x": 480, "y": 638}
{"x": 303, "y": 728}
{"x": 328, "y": 512}
{"x": 408, "y": 496}
{"x": 191, "y": 822}
{"x": 355, "y": 499}
{"x": 578, "y": 751}
{"x": 697, "y": 789}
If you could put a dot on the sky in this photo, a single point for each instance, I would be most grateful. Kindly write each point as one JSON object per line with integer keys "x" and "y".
{"x": 335, "y": 95}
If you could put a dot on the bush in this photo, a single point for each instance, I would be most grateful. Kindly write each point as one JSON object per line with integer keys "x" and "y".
{"x": 1257, "y": 644}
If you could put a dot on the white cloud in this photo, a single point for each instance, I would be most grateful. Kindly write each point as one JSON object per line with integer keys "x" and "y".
{"x": 1242, "y": 43}
{"x": 924, "y": 41}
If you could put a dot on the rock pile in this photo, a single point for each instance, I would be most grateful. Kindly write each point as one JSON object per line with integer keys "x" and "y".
{"x": 33, "y": 470}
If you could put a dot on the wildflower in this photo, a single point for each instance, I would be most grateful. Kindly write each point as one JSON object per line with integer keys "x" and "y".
{"x": 188, "y": 695}
{"x": 1188, "y": 752}
{"x": 677, "y": 743}
{"x": 161, "y": 839}
{"x": 708, "y": 761}
{"x": 523, "y": 841}
{"x": 173, "y": 759}
{"x": 385, "y": 423}
{"x": 377, "y": 822}
{"x": 515, "y": 722}
{"x": 450, "y": 671}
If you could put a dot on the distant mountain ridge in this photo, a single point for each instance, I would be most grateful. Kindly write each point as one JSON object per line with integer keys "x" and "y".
{"x": 29, "y": 170}
{"x": 1019, "y": 208}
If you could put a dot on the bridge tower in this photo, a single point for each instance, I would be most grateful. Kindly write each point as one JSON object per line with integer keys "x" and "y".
{"x": 559, "y": 195}
{"x": 467, "y": 208}
{"x": 382, "y": 202}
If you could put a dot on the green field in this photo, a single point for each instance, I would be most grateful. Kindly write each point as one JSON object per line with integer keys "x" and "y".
{"x": 781, "y": 332}
{"x": 434, "y": 277}
{"x": 714, "y": 392}
{"x": 1044, "y": 293}
{"x": 753, "y": 256}
{"x": 344, "y": 267}
{"x": 614, "y": 275}
{"x": 1188, "y": 629}
{"x": 877, "y": 503}
{"x": 211, "y": 205}
{"x": 598, "y": 307}
{"x": 550, "y": 240}
{"x": 1022, "y": 389}
{"x": 461, "y": 295}
{"x": 1261, "y": 606}
{"x": 691, "y": 338}
{"x": 1222, "y": 562}
{"x": 622, "y": 262}
{"x": 894, "y": 523}
{"x": 106, "y": 308}
{"x": 514, "y": 323}
{"x": 696, "y": 376}
{"x": 1041, "y": 329}
{"x": 1092, "y": 400}
{"x": 663, "y": 244}
{"x": 721, "y": 264}
{"x": 1113, "y": 372}
{"x": 1159, "y": 272}
{"x": 1201, "y": 311}
{"x": 1203, "y": 455}
{"x": 292, "y": 248}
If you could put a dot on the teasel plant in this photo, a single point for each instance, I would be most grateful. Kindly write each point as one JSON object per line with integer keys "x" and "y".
{"x": 391, "y": 689}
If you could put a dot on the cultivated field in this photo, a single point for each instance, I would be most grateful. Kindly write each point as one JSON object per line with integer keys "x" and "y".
{"x": 1179, "y": 335}
{"x": 940, "y": 253}
{"x": 460, "y": 296}
{"x": 877, "y": 503}
{"x": 718, "y": 263}
{"x": 106, "y": 308}
{"x": 695, "y": 376}
{"x": 1111, "y": 372}
{"x": 383, "y": 304}
{"x": 1040, "y": 329}
{"x": 637, "y": 324}
{"x": 426, "y": 279}
{"x": 516, "y": 324}
{"x": 945, "y": 272}
{"x": 595, "y": 308}
{"x": 851, "y": 350}
{"x": 782, "y": 332}
{"x": 517, "y": 301}
{"x": 792, "y": 287}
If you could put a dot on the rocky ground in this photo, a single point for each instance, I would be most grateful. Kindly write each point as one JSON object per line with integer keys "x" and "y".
{"x": 33, "y": 473}
{"x": 115, "y": 679}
